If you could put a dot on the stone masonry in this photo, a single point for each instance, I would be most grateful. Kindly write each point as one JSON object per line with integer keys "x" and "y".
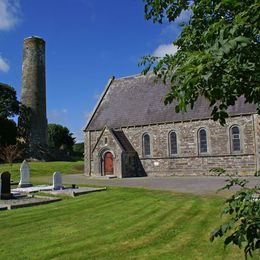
{"x": 133, "y": 106}
{"x": 188, "y": 161}
{"x": 33, "y": 96}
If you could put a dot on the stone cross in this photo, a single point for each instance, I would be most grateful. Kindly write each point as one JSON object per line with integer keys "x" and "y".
{"x": 57, "y": 181}
{"x": 25, "y": 175}
{"x": 5, "y": 186}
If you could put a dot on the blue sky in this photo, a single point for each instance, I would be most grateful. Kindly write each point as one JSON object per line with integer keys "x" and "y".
{"x": 87, "y": 41}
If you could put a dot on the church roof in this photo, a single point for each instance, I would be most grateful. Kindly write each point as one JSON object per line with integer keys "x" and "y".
{"x": 138, "y": 100}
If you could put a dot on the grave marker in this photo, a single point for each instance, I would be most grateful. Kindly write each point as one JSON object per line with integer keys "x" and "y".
{"x": 25, "y": 175}
{"x": 57, "y": 181}
{"x": 5, "y": 187}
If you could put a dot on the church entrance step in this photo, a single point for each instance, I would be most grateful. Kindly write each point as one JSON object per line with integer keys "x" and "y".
{"x": 109, "y": 176}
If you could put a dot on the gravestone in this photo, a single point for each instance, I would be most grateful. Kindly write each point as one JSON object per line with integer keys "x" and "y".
{"x": 57, "y": 181}
{"x": 25, "y": 175}
{"x": 5, "y": 187}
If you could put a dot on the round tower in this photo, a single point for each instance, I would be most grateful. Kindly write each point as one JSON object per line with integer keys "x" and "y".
{"x": 33, "y": 97}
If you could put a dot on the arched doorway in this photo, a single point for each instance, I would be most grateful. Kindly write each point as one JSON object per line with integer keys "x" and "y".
{"x": 108, "y": 164}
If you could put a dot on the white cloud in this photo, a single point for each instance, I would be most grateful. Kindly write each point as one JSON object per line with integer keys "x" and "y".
{"x": 58, "y": 116}
{"x": 79, "y": 135}
{"x": 9, "y": 14}
{"x": 4, "y": 67}
{"x": 173, "y": 28}
{"x": 164, "y": 49}
{"x": 184, "y": 16}
{"x": 87, "y": 115}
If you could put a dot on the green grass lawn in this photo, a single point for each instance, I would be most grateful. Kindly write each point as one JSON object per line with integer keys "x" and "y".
{"x": 121, "y": 223}
{"x": 41, "y": 170}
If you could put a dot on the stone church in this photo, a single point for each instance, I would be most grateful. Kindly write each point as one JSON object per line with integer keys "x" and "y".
{"x": 132, "y": 133}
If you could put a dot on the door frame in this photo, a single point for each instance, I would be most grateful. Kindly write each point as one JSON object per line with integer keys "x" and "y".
{"x": 104, "y": 164}
{"x": 102, "y": 161}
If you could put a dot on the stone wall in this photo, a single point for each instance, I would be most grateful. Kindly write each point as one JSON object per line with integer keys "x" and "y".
{"x": 131, "y": 165}
{"x": 235, "y": 165}
{"x": 87, "y": 153}
{"x": 106, "y": 143}
{"x": 33, "y": 96}
{"x": 188, "y": 161}
{"x": 91, "y": 138}
{"x": 257, "y": 138}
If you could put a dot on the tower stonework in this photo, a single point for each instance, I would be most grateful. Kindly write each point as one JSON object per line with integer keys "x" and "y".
{"x": 33, "y": 96}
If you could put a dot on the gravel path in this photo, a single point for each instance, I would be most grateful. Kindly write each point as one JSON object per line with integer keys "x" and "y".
{"x": 203, "y": 185}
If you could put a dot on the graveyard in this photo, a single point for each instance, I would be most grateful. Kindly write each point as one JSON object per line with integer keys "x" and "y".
{"x": 118, "y": 223}
{"x": 26, "y": 195}
{"x": 41, "y": 171}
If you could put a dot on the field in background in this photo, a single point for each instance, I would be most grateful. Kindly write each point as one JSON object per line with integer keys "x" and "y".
{"x": 42, "y": 171}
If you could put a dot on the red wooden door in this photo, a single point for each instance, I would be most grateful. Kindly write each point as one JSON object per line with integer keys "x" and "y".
{"x": 108, "y": 163}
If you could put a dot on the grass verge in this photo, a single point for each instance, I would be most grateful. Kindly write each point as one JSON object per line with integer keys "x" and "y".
{"x": 121, "y": 223}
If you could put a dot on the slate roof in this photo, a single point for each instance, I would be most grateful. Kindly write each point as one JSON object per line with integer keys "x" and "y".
{"x": 138, "y": 100}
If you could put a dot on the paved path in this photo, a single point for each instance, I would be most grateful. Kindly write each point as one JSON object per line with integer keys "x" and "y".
{"x": 193, "y": 184}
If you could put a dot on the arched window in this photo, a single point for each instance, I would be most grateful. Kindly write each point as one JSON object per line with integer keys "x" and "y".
{"x": 235, "y": 139}
{"x": 146, "y": 145}
{"x": 203, "y": 145}
{"x": 173, "y": 149}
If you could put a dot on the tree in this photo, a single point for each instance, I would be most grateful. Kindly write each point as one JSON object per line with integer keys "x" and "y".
{"x": 8, "y": 132}
{"x": 60, "y": 138}
{"x": 78, "y": 149}
{"x": 9, "y": 106}
{"x": 218, "y": 58}
{"x": 243, "y": 211}
{"x": 218, "y": 53}
{"x": 10, "y": 153}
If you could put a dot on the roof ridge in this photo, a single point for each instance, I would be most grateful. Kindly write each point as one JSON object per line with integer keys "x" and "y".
{"x": 135, "y": 75}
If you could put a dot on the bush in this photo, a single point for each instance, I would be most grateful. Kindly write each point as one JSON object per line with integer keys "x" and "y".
{"x": 60, "y": 138}
{"x": 78, "y": 151}
{"x": 78, "y": 148}
{"x": 243, "y": 224}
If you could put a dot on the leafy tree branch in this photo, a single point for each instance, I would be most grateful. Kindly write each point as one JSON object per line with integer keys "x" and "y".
{"x": 243, "y": 210}
{"x": 218, "y": 53}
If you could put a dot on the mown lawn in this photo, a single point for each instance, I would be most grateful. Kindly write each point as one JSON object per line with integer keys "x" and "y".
{"x": 121, "y": 223}
{"x": 41, "y": 170}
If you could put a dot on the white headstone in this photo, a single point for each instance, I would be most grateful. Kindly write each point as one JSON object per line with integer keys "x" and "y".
{"x": 57, "y": 181}
{"x": 25, "y": 175}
